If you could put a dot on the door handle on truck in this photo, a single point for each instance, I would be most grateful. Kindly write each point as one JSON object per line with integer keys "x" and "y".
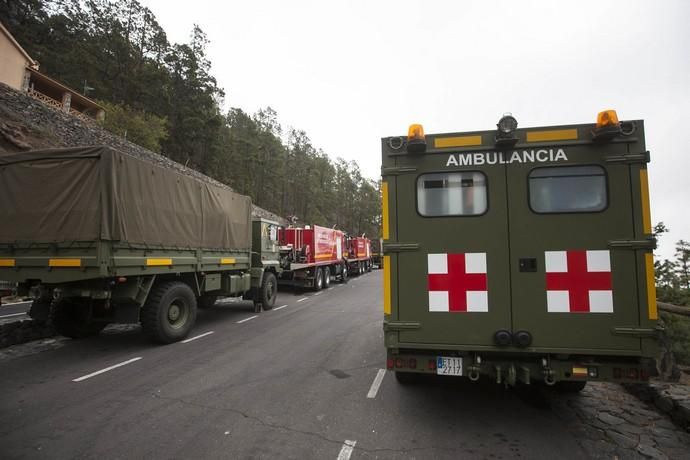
{"x": 528, "y": 264}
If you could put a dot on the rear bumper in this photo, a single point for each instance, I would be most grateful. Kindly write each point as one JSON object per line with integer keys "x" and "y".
{"x": 528, "y": 367}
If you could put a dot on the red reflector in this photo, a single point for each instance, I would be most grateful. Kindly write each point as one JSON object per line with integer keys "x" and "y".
{"x": 399, "y": 363}
{"x": 122, "y": 279}
{"x": 413, "y": 363}
{"x": 632, "y": 374}
{"x": 431, "y": 365}
{"x": 390, "y": 364}
{"x": 617, "y": 373}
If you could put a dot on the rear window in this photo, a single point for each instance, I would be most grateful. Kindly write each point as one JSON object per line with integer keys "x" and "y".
{"x": 452, "y": 194}
{"x": 568, "y": 189}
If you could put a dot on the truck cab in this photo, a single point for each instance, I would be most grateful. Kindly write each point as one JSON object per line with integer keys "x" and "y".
{"x": 520, "y": 254}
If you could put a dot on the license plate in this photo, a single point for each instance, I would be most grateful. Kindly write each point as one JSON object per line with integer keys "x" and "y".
{"x": 448, "y": 365}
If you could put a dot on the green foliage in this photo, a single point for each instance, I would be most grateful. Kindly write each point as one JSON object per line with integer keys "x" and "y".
{"x": 165, "y": 98}
{"x": 141, "y": 128}
{"x": 672, "y": 287}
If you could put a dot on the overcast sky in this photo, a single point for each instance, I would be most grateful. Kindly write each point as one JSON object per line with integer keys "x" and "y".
{"x": 351, "y": 72}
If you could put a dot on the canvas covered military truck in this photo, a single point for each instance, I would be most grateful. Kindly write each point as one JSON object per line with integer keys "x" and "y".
{"x": 99, "y": 236}
{"x": 520, "y": 254}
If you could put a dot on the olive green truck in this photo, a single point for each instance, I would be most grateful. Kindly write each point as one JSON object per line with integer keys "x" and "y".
{"x": 520, "y": 255}
{"x": 98, "y": 236}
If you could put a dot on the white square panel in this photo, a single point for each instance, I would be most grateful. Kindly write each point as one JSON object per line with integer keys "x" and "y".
{"x": 475, "y": 262}
{"x": 438, "y": 301}
{"x": 477, "y": 301}
{"x": 601, "y": 301}
{"x": 598, "y": 261}
{"x": 556, "y": 261}
{"x": 557, "y": 302}
{"x": 438, "y": 264}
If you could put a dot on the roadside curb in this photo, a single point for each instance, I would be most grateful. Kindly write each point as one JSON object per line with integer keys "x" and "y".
{"x": 22, "y": 331}
{"x": 673, "y": 399}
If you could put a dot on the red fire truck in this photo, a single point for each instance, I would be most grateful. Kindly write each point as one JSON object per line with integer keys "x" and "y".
{"x": 358, "y": 255}
{"x": 311, "y": 256}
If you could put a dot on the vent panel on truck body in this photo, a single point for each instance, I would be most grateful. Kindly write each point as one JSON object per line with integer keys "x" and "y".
{"x": 545, "y": 237}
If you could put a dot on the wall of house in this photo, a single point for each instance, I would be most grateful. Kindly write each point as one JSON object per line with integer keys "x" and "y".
{"x": 12, "y": 63}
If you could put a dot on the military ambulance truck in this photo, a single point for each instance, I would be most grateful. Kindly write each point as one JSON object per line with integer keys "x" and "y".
{"x": 99, "y": 236}
{"x": 520, "y": 255}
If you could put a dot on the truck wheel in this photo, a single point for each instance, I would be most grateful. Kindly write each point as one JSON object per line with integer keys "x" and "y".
{"x": 40, "y": 309}
{"x": 268, "y": 291}
{"x": 206, "y": 301}
{"x": 569, "y": 386}
{"x": 318, "y": 278}
{"x": 343, "y": 273}
{"x": 71, "y": 318}
{"x": 369, "y": 266}
{"x": 169, "y": 312}
{"x": 326, "y": 277}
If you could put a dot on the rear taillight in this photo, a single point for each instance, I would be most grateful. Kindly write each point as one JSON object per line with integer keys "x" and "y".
{"x": 632, "y": 374}
{"x": 431, "y": 365}
{"x": 390, "y": 364}
{"x": 399, "y": 363}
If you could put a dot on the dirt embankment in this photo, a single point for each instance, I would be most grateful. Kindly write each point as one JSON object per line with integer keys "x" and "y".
{"x": 28, "y": 124}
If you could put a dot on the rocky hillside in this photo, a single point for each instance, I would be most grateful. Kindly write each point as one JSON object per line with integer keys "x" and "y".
{"x": 27, "y": 124}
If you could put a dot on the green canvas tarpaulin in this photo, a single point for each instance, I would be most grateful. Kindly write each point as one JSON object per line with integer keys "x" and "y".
{"x": 98, "y": 193}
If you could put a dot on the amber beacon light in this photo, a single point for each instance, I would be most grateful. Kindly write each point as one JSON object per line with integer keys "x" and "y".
{"x": 607, "y": 126}
{"x": 416, "y": 142}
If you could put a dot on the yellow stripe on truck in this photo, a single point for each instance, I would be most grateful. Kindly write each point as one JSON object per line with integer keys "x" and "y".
{"x": 646, "y": 214}
{"x": 651, "y": 286}
{"x": 457, "y": 141}
{"x": 227, "y": 261}
{"x": 64, "y": 262}
{"x": 552, "y": 135}
{"x": 7, "y": 263}
{"x": 387, "y": 285}
{"x": 158, "y": 262}
{"x": 384, "y": 210}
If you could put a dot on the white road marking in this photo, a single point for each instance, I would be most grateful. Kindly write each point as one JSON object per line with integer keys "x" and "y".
{"x": 302, "y": 299}
{"x": 376, "y": 384}
{"x": 280, "y": 308}
{"x": 247, "y": 319}
{"x": 93, "y": 374}
{"x": 197, "y": 337}
{"x": 318, "y": 293}
{"x": 13, "y": 314}
{"x": 16, "y": 303}
{"x": 346, "y": 450}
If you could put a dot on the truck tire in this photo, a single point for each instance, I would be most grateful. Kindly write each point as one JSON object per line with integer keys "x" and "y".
{"x": 570, "y": 386}
{"x": 206, "y": 301}
{"x": 318, "y": 278}
{"x": 326, "y": 277}
{"x": 71, "y": 318}
{"x": 169, "y": 312}
{"x": 268, "y": 291}
{"x": 40, "y": 309}
{"x": 343, "y": 273}
{"x": 369, "y": 266}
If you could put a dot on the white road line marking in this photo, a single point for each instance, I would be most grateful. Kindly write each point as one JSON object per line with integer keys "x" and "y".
{"x": 346, "y": 450}
{"x": 16, "y": 303}
{"x": 93, "y": 374}
{"x": 302, "y": 299}
{"x": 13, "y": 314}
{"x": 318, "y": 293}
{"x": 376, "y": 384}
{"x": 247, "y": 319}
{"x": 197, "y": 337}
{"x": 280, "y": 308}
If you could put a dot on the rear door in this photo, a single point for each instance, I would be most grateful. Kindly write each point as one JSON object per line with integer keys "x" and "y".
{"x": 452, "y": 246}
{"x": 570, "y": 286}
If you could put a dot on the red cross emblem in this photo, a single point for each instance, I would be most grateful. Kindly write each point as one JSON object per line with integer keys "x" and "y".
{"x": 457, "y": 282}
{"x": 578, "y": 282}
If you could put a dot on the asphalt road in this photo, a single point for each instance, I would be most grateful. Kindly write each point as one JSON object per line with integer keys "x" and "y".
{"x": 14, "y": 311}
{"x": 296, "y": 382}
